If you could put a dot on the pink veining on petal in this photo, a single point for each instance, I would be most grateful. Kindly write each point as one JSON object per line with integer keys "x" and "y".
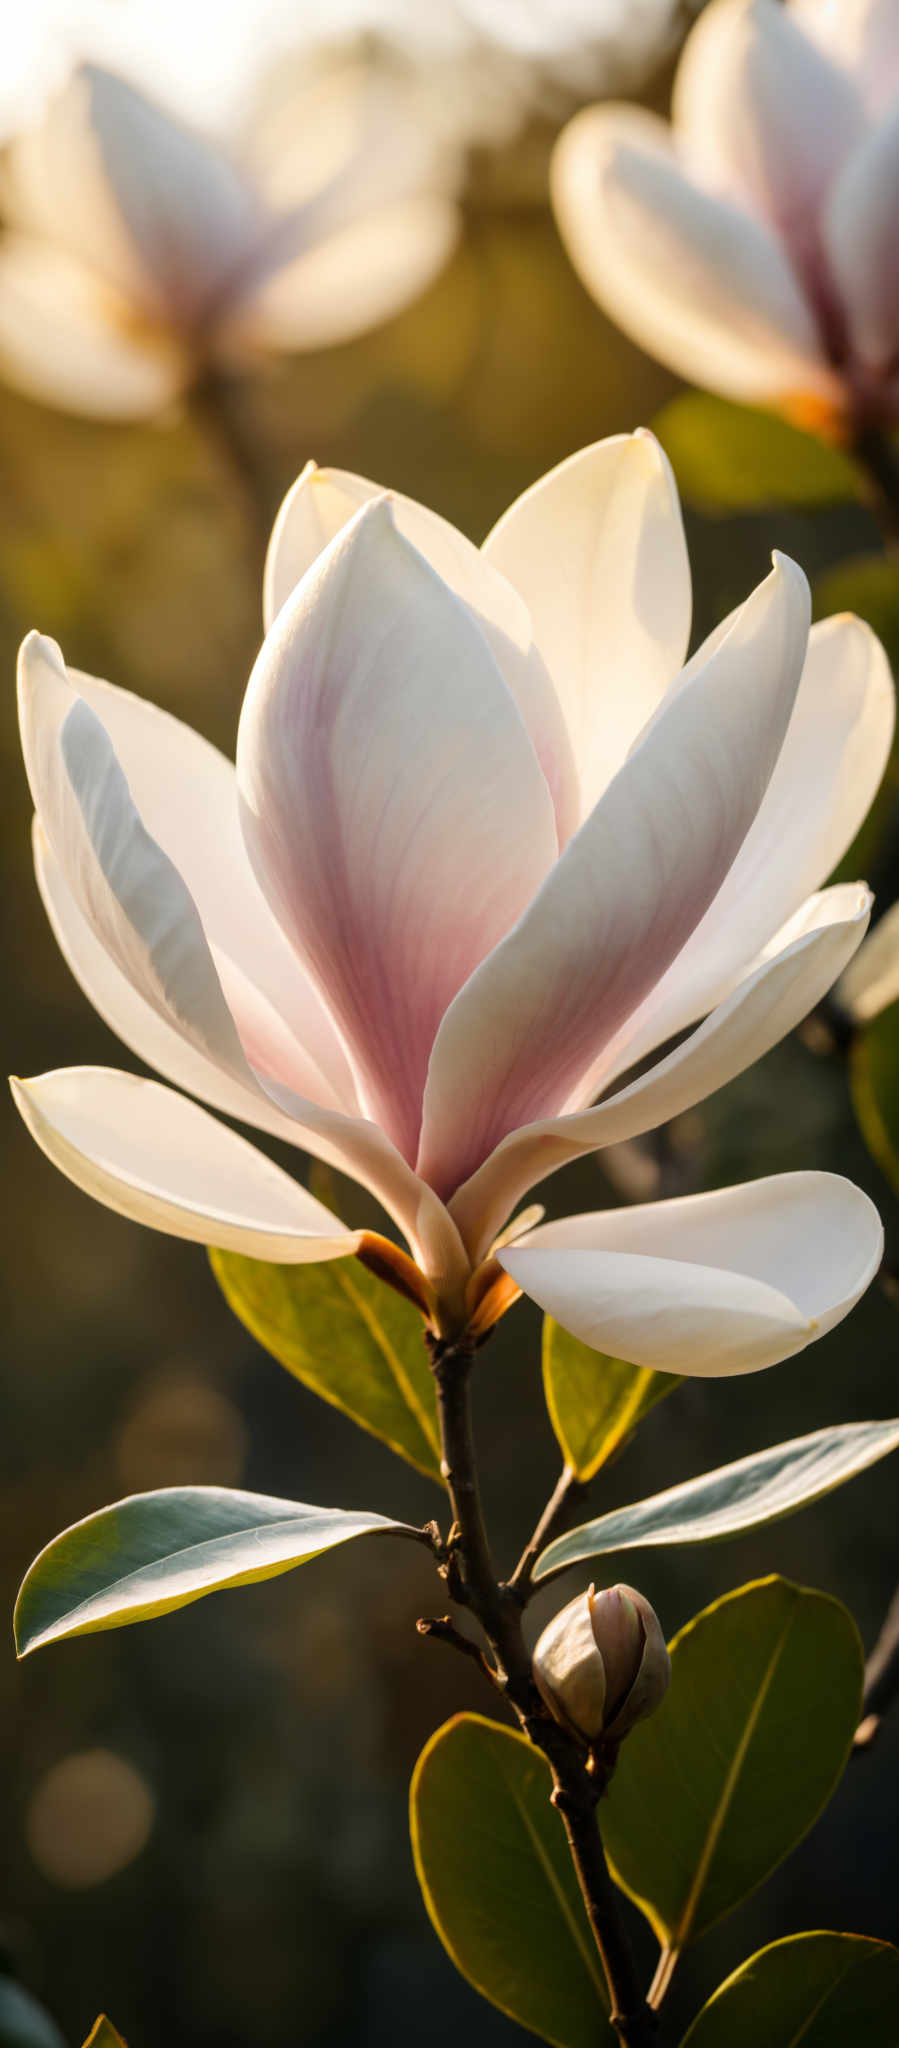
{"x": 392, "y": 803}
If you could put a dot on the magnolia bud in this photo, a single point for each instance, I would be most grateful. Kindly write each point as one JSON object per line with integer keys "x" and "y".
{"x": 601, "y": 1664}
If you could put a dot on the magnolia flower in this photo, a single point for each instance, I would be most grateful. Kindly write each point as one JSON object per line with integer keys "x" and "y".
{"x": 488, "y": 845}
{"x": 139, "y": 251}
{"x": 754, "y": 244}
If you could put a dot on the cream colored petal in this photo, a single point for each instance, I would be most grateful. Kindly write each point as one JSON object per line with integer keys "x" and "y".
{"x": 152, "y": 1155}
{"x": 771, "y": 1001}
{"x": 871, "y": 981}
{"x": 348, "y": 282}
{"x": 709, "y": 1285}
{"x": 597, "y": 551}
{"x": 860, "y": 238}
{"x": 696, "y": 280}
{"x": 68, "y": 339}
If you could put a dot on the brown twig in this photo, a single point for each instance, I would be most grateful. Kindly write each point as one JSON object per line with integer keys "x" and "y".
{"x": 568, "y": 1491}
{"x": 497, "y": 1607}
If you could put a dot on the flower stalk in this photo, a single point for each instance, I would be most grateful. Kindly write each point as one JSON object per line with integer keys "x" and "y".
{"x": 497, "y": 1606}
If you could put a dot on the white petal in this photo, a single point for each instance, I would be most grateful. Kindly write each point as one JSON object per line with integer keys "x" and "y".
{"x": 349, "y": 282}
{"x": 623, "y": 897}
{"x": 125, "y": 885}
{"x": 860, "y": 237}
{"x": 186, "y": 793}
{"x": 871, "y": 981}
{"x": 347, "y": 1143}
{"x": 762, "y": 115}
{"x": 597, "y": 551}
{"x": 150, "y": 1154}
{"x": 322, "y": 502}
{"x": 771, "y": 1001}
{"x": 152, "y": 205}
{"x": 697, "y": 281}
{"x": 860, "y": 34}
{"x": 394, "y": 808}
{"x": 708, "y": 1285}
{"x": 833, "y": 757}
{"x": 67, "y": 338}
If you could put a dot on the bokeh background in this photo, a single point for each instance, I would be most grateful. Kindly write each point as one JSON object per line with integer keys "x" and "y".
{"x": 205, "y": 1817}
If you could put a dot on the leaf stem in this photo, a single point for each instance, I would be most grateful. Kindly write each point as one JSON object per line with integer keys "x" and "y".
{"x": 567, "y": 1492}
{"x": 577, "y": 1789}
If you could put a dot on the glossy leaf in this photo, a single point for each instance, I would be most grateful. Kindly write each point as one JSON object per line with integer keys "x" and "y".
{"x": 103, "y": 2035}
{"x": 498, "y": 1882}
{"x": 874, "y": 1080}
{"x": 733, "y": 458}
{"x": 868, "y": 585}
{"x": 157, "y": 1551}
{"x": 595, "y": 1402}
{"x": 349, "y": 1338}
{"x": 823, "y": 1990}
{"x": 23, "y": 2022}
{"x": 761, "y": 1488}
{"x": 713, "y": 1790}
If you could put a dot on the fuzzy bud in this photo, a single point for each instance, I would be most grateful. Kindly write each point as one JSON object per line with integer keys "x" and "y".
{"x": 601, "y": 1664}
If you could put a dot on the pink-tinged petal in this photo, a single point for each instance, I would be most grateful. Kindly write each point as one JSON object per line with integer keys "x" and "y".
{"x": 697, "y": 281}
{"x": 862, "y": 36}
{"x": 148, "y": 202}
{"x": 351, "y": 281}
{"x": 68, "y": 339}
{"x": 709, "y": 1285}
{"x": 186, "y": 793}
{"x": 347, "y": 1143}
{"x": 317, "y": 508}
{"x": 860, "y": 238}
{"x": 148, "y": 1153}
{"x": 394, "y": 811}
{"x": 771, "y": 1001}
{"x": 623, "y": 897}
{"x": 833, "y": 757}
{"x": 597, "y": 550}
{"x": 761, "y": 115}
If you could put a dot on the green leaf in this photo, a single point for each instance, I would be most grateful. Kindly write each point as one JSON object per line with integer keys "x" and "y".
{"x": 760, "y": 1488}
{"x": 733, "y": 458}
{"x": 103, "y": 2035}
{"x": 868, "y": 585}
{"x": 347, "y": 1337}
{"x": 713, "y": 1790}
{"x": 595, "y": 1402}
{"x": 156, "y": 1551}
{"x": 820, "y": 1990}
{"x": 498, "y": 1882}
{"x": 874, "y": 1082}
{"x": 23, "y": 2022}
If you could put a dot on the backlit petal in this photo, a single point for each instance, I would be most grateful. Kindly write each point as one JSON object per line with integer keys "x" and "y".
{"x": 394, "y": 808}
{"x": 696, "y": 280}
{"x": 597, "y": 550}
{"x": 67, "y": 338}
{"x": 152, "y": 1155}
{"x": 624, "y": 896}
{"x": 709, "y": 1285}
{"x": 860, "y": 237}
{"x": 771, "y": 1001}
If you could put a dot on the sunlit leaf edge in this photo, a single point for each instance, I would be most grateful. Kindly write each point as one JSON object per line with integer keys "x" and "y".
{"x": 645, "y": 1906}
{"x": 27, "y": 1641}
{"x": 575, "y": 1548}
{"x": 787, "y": 1941}
{"x": 585, "y": 1472}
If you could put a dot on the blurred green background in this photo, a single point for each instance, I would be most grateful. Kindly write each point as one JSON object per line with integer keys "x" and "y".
{"x": 205, "y": 1817}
